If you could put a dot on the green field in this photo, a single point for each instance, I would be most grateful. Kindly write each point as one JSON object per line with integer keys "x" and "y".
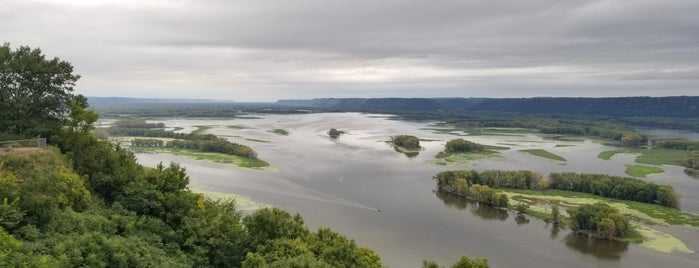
{"x": 543, "y": 153}
{"x": 642, "y": 170}
{"x": 216, "y": 157}
{"x": 279, "y": 131}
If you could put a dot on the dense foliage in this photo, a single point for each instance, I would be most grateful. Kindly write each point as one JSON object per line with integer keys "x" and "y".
{"x": 521, "y": 179}
{"x": 622, "y": 188}
{"x": 92, "y": 205}
{"x": 119, "y": 213}
{"x": 462, "y": 146}
{"x": 463, "y": 262}
{"x": 472, "y": 185}
{"x": 599, "y": 219}
{"x": 35, "y": 92}
{"x": 406, "y": 141}
{"x": 616, "y": 187}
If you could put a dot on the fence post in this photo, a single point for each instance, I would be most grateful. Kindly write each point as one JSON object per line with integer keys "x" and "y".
{"x": 41, "y": 143}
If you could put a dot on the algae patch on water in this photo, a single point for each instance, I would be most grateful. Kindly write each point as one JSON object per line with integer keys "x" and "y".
{"x": 446, "y": 159}
{"x": 661, "y": 242}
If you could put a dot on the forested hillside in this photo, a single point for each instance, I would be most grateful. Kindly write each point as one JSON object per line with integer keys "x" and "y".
{"x": 681, "y": 106}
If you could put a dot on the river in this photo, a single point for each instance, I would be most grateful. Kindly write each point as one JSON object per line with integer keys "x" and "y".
{"x": 342, "y": 184}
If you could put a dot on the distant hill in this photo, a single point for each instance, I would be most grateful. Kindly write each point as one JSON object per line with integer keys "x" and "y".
{"x": 679, "y": 106}
{"x": 124, "y": 100}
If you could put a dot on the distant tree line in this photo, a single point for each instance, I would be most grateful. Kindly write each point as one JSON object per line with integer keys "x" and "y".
{"x": 192, "y": 141}
{"x": 522, "y": 179}
{"x": 597, "y": 184}
{"x": 681, "y": 106}
{"x": 676, "y": 144}
{"x": 147, "y": 143}
{"x": 136, "y": 123}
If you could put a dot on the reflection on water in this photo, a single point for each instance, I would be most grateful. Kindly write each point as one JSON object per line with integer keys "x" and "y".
{"x": 482, "y": 211}
{"x": 602, "y": 249}
{"x": 521, "y": 219}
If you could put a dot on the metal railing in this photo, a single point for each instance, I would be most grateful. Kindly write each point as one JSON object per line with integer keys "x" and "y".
{"x": 38, "y": 142}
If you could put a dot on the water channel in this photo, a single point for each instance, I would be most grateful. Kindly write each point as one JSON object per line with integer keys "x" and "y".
{"x": 343, "y": 183}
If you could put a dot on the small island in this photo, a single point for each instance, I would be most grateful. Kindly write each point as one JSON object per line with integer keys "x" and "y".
{"x": 407, "y": 144}
{"x": 334, "y": 133}
{"x": 280, "y": 132}
{"x": 464, "y": 151}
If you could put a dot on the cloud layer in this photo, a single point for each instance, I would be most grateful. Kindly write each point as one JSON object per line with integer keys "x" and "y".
{"x": 265, "y": 50}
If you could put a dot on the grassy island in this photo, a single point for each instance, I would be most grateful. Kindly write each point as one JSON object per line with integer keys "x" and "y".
{"x": 604, "y": 206}
{"x": 463, "y": 152}
{"x": 407, "y": 144}
{"x": 280, "y": 132}
{"x": 545, "y": 154}
{"x": 642, "y": 170}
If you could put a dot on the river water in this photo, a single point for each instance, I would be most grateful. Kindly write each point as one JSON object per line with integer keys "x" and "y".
{"x": 342, "y": 184}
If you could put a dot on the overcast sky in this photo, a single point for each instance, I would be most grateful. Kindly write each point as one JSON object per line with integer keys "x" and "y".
{"x": 263, "y": 50}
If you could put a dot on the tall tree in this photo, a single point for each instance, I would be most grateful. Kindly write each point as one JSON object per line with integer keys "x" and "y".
{"x": 35, "y": 92}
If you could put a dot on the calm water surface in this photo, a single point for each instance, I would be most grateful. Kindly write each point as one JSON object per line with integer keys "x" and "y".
{"x": 342, "y": 183}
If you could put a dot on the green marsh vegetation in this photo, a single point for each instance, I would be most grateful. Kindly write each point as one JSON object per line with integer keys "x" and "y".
{"x": 239, "y": 127}
{"x": 545, "y": 154}
{"x": 642, "y": 170}
{"x": 239, "y": 161}
{"x": 280, "y": 132}
{"x": 195, "y": 144}
{"x": 257, "y": 140}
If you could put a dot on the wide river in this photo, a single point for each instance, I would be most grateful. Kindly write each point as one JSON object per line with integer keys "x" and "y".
{"x": 343, "y": 183}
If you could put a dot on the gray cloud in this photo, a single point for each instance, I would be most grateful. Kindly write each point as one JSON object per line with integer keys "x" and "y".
{"x": 265, "y": 50}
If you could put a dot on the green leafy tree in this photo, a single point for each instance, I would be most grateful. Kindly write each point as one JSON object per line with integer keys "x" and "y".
{"x": 406, "y": 141}
{"x": 35, "y": 92}
{"x": 430, "y": 264}
{"x": 521, "y": 208}
{"x": 555, "y": 214}
{"x": 465, "y": 262}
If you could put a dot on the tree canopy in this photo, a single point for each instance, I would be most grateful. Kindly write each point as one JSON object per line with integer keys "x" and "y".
{"x": 35, "y": 92}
